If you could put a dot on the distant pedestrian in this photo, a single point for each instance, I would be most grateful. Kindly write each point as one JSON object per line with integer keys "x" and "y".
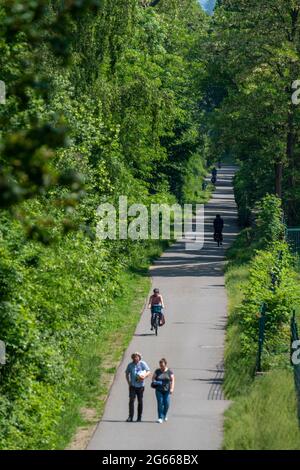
{"x": 218, "y": 229}
{"x": 163, "y": 381}
{"x": 136, "y": 373}
{"x": 214, "y": 173}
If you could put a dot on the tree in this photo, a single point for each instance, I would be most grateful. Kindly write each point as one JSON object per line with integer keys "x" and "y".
{"x": 254, "y": 48}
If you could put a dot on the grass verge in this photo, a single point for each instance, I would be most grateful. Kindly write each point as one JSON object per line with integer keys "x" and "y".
{"x": 265, "y": 418}
{"x": 263, "y": 415}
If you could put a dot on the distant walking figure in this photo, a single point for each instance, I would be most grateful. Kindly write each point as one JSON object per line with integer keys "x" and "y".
{"x": 136, "y": 373}
{"x": 163, "y": 381}
{"x": 214, "y": 173}
{"x": 218, "y": 229}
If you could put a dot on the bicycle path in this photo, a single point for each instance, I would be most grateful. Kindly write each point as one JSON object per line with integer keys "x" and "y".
{"x": 192, "y": 283}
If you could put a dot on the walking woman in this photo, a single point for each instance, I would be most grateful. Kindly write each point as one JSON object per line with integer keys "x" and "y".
{"x": 163, "y": 381}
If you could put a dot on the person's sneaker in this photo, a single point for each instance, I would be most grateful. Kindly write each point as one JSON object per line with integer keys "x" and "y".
{"x": 139, "y": 420}
{"x": 129, "y": 420}
{"x": 159, "y": 421}
{"x": 166, "y": 418}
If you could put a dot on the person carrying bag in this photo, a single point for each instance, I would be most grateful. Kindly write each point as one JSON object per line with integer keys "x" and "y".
{"x": 163, "y": 382}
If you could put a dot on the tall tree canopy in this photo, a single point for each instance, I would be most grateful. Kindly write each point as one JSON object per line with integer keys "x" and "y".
{"x": 253, "y": 59}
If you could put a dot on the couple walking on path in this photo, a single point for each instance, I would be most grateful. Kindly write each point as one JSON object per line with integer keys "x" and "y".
{"x": 163, "y": 381}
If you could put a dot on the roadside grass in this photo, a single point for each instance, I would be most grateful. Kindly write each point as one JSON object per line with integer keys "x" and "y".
{"x": 263, "y": 414}
{"x": 266, "y": 417}
{"x": 237, "y": 373}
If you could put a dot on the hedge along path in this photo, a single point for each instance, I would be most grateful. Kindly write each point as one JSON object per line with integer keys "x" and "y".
{"x": 192, "y": 283}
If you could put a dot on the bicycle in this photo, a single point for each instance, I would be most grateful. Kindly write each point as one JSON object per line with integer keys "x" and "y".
{"x": 218, "y": 238}
{"x": 156, "y": 317}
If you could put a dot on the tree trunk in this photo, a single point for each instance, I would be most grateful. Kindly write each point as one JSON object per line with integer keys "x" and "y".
{"x": 278, "y": 179}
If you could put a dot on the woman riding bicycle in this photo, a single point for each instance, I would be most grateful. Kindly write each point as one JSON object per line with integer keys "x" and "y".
{"x": 156, "y": 303}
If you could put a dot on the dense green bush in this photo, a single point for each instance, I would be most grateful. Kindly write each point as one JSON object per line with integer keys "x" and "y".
{"x": 269, "y": 220}
{"x": 279, "y": 300}
{"x": 195, "y": 173}
{"x": 263, "y": 414}
{"x": 57, "y": 303}
{"x": 261, "y": 255}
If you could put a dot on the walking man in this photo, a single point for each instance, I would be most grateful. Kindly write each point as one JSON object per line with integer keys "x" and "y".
{"x": 136, "y": 373}
{"x": 218, "y": 229}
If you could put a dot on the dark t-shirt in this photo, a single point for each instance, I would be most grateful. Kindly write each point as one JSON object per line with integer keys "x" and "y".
{"x": 218, "y": 224}
{"x": 165, "y": 378}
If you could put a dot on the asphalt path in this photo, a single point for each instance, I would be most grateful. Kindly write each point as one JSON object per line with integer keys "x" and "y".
{"x": 192, "y": 283}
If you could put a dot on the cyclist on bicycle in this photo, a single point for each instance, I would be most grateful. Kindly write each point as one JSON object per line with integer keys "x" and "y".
{"x": 156, "y": 303}
{"x": 218, "y": 228}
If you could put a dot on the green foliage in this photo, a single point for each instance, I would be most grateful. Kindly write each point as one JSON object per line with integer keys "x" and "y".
{"x": 279, "y": 297}
{"x": 270, "y": 227}
{"x": 57, "y": 303}
{"x": 193, "y": 178}
{"x": 268, "y": 266}
{"x": 102, "y": 101}
{"x": 263, "y": 415}
{"x": 279, "y": 301}
{"x": 253, "y": 57}
{"x": 29, "y": 31}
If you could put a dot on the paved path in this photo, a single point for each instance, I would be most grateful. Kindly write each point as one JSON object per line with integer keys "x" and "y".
{"x": 192, "y": 283}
